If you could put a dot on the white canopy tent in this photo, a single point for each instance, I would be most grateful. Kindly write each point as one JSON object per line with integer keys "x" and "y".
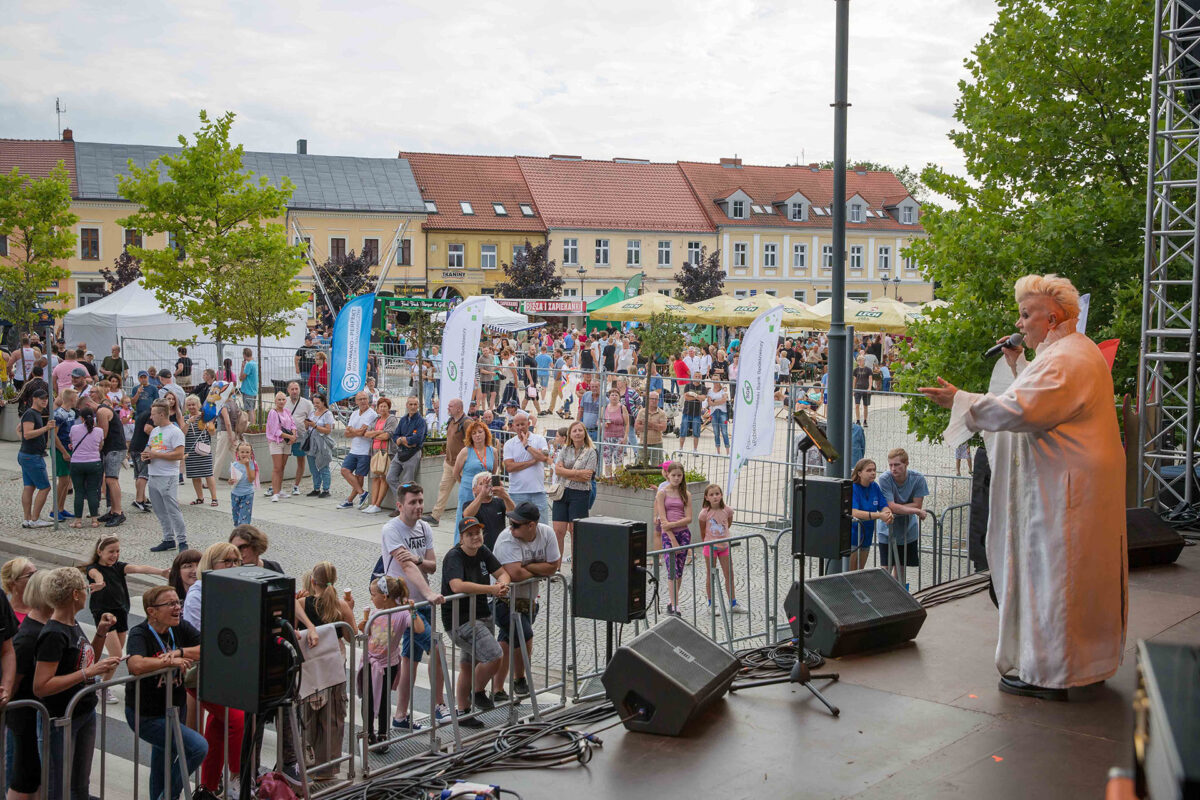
{"x": 133, "y": 318}
{"x": 498, "y": 318}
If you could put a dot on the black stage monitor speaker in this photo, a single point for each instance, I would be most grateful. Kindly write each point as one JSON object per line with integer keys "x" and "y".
{"x": 828, "y": 508}
{"x": 241, "y": 664}
{"x": 608, "y": 582}
{"x": 1151, "y": 541}
{"x": 666, "y": 676}
{"x": 853, "y": 612}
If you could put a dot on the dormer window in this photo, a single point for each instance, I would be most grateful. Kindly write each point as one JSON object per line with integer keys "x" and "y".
{"x": 526, "y": 210}
{"x": 907, "y": 213}
{"x": 796, "y": 212}
{"x": 430, "y": 207}
{"x": 856, "y": 212}
{"x": 500, "y": 210}
{"x": 466, "y": 207}
{"x": 737, "y": 209}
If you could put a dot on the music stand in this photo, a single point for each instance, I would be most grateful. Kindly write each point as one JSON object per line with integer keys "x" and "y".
{"x": 801, "y": 673}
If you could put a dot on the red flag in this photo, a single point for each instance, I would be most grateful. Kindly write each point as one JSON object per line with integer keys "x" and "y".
{"x": 1108, "y": 349}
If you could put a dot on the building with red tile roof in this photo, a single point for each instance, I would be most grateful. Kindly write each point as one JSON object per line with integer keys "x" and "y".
{"x": 36, "y": 157}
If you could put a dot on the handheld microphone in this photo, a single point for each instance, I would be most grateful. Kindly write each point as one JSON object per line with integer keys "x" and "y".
{"x": 1012, "y": 341}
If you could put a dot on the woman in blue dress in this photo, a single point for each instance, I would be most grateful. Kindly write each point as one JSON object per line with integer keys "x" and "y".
{"x": 478, "y": 456}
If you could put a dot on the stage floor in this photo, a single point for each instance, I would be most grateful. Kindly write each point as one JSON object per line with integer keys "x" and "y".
{"x": 923, "y": 720}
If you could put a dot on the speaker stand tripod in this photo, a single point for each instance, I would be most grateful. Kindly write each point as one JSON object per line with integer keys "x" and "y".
{"x": 801, "y": 673}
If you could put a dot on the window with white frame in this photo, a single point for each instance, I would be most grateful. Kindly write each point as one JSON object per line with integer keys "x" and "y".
{"x": 737, "y": 209}
{"x": 430, "y": 207}
{"x": 910, "y": 264}
{"x": 827, "y": 256}
{"x": 694, "y": 251}
{"x": 856, "y": 212}
{"x": 571, "y": 251}
{"x": 487, "y": 256}
{"x": 861, "y": 297}
{"x": 739, "y": 254}
{"x": 526, "y": 210}
{"x": 633, "y": 252}
{"x": 906, "y": 215}
{"x": 456, "y": 256}
{"x": 796, "y": 212}
{"x": 570, "y": 292}
{"x": 885, "y": 258}
{"x": 740, "y": 294}
{"x": 800, "y": 294}
{"x": 856, "y": 256}
{"x": 770, "y": 255}
{"x": 602, "y": 253}
{"x": 664, "y": 253}
{"x": 823, "y": 294}
{"x": 799, "y": 256}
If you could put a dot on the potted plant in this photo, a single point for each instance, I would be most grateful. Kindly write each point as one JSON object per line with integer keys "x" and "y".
{"x": 630, "y": 493}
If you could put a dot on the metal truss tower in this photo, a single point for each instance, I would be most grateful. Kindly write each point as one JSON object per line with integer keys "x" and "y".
{"x": 1167, "y": 375}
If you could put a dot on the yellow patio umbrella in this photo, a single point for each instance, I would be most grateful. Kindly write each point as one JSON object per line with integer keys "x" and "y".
{"x": 910, "y": 313}
{"x": 872, "y": 317}
{"x": 823, "y": 311}
{"x": 640, "y": 308}
{"x": 745, "y": 310}
{"x": 711, "y": 310}
{"x": 935, "y": 304}
{"x": 798, "y": 316}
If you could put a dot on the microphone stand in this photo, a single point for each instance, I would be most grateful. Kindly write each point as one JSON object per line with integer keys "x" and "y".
{"x": 801, "y": 674}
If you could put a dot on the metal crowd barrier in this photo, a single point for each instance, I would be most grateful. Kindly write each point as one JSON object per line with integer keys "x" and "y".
{"x": 542, "y": 678}
{"x": 43, "y": 722}
{"x": 334, "y": 763}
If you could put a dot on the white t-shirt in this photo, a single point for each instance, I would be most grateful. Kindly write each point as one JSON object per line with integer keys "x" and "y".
{"x": 361, "y": 445}
{"x": 417, "y": 540}
{"x": 694, "y": 365}
{"x": 532, "y": 479}
{"x": 164, "y": 440}
{"x": 705, "y": 364}
{"x": 511, "y": 550}
{"x": 300, "y": 410}
{"x": 624, "y": 358}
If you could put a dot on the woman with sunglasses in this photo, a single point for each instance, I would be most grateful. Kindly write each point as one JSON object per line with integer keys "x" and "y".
{"x": 163, "y": 640}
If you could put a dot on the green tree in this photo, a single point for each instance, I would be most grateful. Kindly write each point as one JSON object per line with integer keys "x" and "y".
{"x": 659, "y": 339}
{"x": 219, "y": 217}
{"x": 701, "y": 280}
{"x": 38, "y": 226}
{"x": 1054, "y": 120}
{"x": 531, "y": 274}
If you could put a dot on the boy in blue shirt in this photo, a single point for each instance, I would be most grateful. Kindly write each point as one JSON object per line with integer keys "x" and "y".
{"x": 905, "y": 490}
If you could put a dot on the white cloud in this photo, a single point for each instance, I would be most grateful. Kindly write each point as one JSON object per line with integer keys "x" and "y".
{"x": 665, "y": 80}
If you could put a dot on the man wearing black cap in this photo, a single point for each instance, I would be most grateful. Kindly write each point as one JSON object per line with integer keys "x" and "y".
{"x": 465, "y": 570}
{"x": 527, "y": 549}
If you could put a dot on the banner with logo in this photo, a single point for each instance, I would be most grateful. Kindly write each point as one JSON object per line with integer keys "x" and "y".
{"x": 754, "y": 395}
{"x": 460, "y": 351}
{"x": 351, "y": 341}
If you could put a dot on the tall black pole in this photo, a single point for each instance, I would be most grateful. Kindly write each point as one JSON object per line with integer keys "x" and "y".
{"x": 839, "y": 348}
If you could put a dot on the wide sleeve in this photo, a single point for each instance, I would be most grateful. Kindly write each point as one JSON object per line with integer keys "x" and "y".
{"x": 273, "y": 432}
{"x": 1043, "y": 397}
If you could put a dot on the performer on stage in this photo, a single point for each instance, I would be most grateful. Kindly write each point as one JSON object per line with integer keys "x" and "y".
{"x": 1056, "y": 534}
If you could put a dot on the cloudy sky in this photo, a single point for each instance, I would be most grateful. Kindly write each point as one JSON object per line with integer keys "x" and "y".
{"x": 658, "y": 79}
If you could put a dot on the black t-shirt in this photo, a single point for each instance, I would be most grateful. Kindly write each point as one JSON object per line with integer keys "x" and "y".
{"x": 137, "y": 442}
{"x": 691, "y": 408}
{"x": 529, "y": 371}
{"x": 719, "y": 371}
{"x": 70, "y": 649}
{"x": 308, "y": 357}
{"x": 314, "y": 614}
{"x": 183, "y": 367}
{"x": 586, "y": 362}
{"x": 8, "y": 620}
{"x": 492, "y": 515}
{"x": 25, "y": 647}
{"x": 90, "y": 367}
{"x": 862, "y": 377}
{"x": 115, "y": 440}
{"x": 35, "y": 445}
{"x": 145, "y": 641}
{"x": 610, "y": 357}
{"x": 473, "y": 569}
{"x": 115, "y": 594}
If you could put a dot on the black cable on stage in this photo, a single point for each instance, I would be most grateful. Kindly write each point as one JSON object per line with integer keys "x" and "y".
{"x": 769, "y": 661}
{"x": 953, "y": 590}
{"x": 512, "y": 747}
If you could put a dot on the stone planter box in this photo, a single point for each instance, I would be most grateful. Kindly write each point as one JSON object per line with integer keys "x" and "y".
{"x": 429, "y": 475}
{"x": 638, "y": 504}
{"x": 262, "y": 456}
{"x": 10, "y": 423}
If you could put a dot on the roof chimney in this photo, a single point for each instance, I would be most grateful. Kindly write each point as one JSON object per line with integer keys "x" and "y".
{"x": 731, "y": 163}
{"x": 68, "y": 135}
{"x": 302, "y": 147}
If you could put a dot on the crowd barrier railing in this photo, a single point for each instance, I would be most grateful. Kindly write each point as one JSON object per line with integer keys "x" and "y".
{"x": 43, "y": 720}
{"x": 338, "y": 755}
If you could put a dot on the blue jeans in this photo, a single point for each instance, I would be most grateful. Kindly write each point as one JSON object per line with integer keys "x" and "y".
{"x": 320, "y": 477}
{"x": 242, "y": 505}
{"x": 153, "y": 731}
{"x": 427, "y": 389}
{"x": 83, "y": 744}
{"x": 720, "y": 426}
{"x": 539, "y": 499}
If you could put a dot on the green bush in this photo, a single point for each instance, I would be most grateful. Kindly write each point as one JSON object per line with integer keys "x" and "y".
{"x": 627, "y": 479}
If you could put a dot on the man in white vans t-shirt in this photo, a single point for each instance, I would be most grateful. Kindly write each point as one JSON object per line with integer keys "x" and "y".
{"x": 357, "y": 462}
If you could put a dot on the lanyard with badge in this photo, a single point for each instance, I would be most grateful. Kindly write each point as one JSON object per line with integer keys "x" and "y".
{"x": 162, "y": 645}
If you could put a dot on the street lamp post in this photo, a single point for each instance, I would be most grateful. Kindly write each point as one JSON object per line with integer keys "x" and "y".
{"x": 884, "y": 280}
{"x": 896, "y": 281}
{"x": 582, "y": 272}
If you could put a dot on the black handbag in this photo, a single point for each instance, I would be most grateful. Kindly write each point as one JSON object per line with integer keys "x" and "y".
{"x": 306, "y": 445}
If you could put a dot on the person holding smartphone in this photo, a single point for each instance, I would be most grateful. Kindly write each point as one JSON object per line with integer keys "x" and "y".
{"x": 490, "y": 505}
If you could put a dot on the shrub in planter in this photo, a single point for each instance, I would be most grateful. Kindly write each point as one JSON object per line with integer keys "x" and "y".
{"x": 630, "y": 494}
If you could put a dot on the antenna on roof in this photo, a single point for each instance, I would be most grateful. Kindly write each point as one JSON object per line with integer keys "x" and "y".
{"x": 59, "y": 110}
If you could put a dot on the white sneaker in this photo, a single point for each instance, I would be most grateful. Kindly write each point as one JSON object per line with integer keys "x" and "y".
{"x": 295, "y": 490}
{"x": 25, "y": 523}
{"x": 442, "y": 713}
{"x": 40, "y": 523}
{"x": 274, "y": 498}
{"x": 372, "y": 510}
{"x": 110, "y": 697}
{"x": 233, "y": 791}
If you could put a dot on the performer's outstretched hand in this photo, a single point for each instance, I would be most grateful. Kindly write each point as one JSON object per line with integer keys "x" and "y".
{"x": 942, "y": 394}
